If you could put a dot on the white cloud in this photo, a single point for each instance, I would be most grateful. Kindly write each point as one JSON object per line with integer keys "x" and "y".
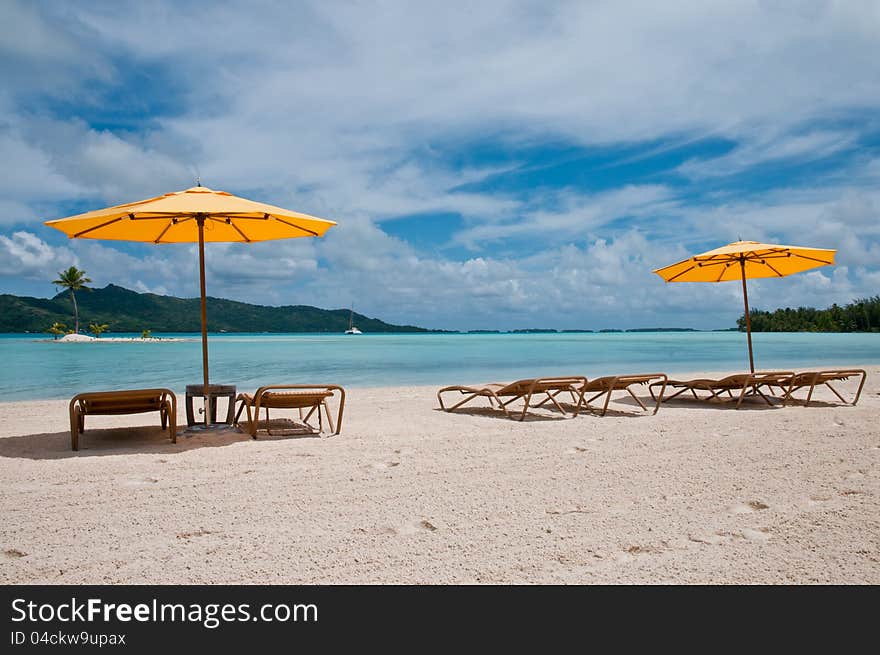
{"x": 567, "y": 215}
{"x": 770, "y": 148}
{"x": 26, "y": 255}
{"x": 350, "y": 111}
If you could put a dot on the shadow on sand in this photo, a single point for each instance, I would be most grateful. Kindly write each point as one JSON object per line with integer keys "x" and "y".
{"x": 150, "y": 440}
{"x": 749, "y": 404}
{"x": 545, "y": 413}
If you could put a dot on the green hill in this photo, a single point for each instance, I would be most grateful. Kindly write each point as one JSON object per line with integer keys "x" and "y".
{"x": 128, "y": 311}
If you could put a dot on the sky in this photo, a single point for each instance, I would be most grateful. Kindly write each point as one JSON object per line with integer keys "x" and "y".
{"x": 490, "y": 165}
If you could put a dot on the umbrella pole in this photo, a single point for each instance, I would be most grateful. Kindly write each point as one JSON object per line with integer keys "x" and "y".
{"x": 742, "y": 265}
{"x": 201, "y": 222}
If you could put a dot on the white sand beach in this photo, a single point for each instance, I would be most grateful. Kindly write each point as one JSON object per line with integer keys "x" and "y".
{"x": 409, "y": 494}
{"x": 84, "y": 338}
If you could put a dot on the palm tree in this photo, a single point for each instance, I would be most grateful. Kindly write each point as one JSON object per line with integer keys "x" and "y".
{"x": 75, "y": 280}
{"x": 97, "y": 329}
{"x": 56, "y": 329}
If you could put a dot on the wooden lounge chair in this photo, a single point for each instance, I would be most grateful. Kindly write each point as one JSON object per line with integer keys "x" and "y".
{"x": 525, "y": 390}
{"x": 811, "y": 379}
{"x": 605, "y": 386}
{"x": 745, "y": 383}
{"x": 311, "y": 397}
{"x": 133, "y": 401}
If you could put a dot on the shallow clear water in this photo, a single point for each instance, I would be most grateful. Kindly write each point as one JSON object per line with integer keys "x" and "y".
{"x": 31, "y": 367}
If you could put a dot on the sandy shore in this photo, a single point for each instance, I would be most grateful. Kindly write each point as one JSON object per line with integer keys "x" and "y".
{"x": 410, "y": 494}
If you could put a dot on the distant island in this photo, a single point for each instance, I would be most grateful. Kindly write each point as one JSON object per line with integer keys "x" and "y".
{"x": 861, "y": 315}
{"x": 117, "y": 309}
{"x": 124, "y": 310}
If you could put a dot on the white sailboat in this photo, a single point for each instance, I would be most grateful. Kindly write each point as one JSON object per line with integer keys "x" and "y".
{"x": 351, "y": 328}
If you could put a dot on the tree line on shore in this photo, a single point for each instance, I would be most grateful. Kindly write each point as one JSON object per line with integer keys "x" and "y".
{"x": 862, "y": 315}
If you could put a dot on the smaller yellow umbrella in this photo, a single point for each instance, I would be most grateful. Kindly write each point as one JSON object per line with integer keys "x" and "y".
{"x": 746, "y": 259}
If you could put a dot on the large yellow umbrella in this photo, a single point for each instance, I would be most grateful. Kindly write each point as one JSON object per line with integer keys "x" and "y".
{"x": 195, "y": 215}
{"x": 746, "y": 259}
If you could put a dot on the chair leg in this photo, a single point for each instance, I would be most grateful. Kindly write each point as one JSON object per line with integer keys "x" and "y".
{"x": 252, "y": 421}
{"x": 230, "y": 409}
{"x": 329, "y": 416}
{"x": 636, "y": 398}
{"x": 607, "y": 400}
{"x": 555, "y": 403}
{"x": 311, "y": 411}
{"x": 659, "y": 398}
{"x": 238, "y": 413}
{"x": 580, "y": 403}
{"x": 74, "y": 428}
{"x": 809, "y": 395}
{"x": 525, "y": 408}
{"x": 761, "y": 393}
{"x": 859, "y": 392}
{"x": 341, "y": 408}
{"x": 171, "y": 415}
{"x": 462, "y": 402}
{"x": 827, "y": 384}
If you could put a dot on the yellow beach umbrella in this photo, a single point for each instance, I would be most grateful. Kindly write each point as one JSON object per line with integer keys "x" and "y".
{"x": 195, "y": 215}
{"x": 743, "y": 260}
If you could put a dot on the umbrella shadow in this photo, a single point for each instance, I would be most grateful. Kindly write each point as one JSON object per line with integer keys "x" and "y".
{"x": 100, "y": 442}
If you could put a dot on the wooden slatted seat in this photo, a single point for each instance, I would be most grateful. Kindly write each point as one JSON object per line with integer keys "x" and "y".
{"x": 114, "y": 403}
{"x": 311, "y": 397}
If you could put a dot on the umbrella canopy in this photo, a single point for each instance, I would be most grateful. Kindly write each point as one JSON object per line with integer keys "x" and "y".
{"x": 175, "y": 218}
{"x": 195, "y": 215}
{"x": 743, "y": 260}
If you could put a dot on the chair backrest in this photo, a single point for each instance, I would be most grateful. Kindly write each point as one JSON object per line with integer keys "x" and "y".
{"x": 121, "y": 401}
{"x": 735, "y": 380}
{"x": 521, "y": 387}
{"x": 293, "y": 399}
{"x": 820, "y": 377}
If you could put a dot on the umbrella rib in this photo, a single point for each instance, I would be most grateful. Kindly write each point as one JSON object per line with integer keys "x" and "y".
{"x": 158, "y": 217}
{"x": 721, "y": 274}
{"x": 707, "y": 263}
{"x": 243, "y": 235}
{"x": 778, "y": 254}
{"x": 687, "y": 270}
{"x": 164, "y": 230}
{"x": 821, "y": 261}
{"x": 773, "y": 269}
{"x": 177, "y": 218}
{"x": 298, "y": 227}
{"x": 97, "y": 227}
{"x": 228, "y": 221}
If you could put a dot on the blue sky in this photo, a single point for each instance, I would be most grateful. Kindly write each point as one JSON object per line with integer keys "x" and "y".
{"x": 490, "y": 165}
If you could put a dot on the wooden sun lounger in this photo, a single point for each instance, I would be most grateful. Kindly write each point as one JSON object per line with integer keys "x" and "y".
{"x": 311, "y": 397}
{"x": 112, "y": 403}
{"x": 741, "y": 382}
{"x": 811, "y": 379}
{"x": 525, "y": 390}
{"x": 605, "y": 386}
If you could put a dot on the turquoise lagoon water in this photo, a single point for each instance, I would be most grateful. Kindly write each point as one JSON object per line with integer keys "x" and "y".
{"x": 32, "y": 367}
